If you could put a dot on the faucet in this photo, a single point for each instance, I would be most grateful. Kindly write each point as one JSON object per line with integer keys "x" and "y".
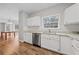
{"x": 51, "y": 31}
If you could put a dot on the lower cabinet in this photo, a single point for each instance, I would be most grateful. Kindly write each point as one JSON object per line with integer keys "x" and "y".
{"x": 66, "y": 45}
{"x": 75, "y": 46}
{"x": 28, "y": 37}
{"x": 59, "y": 43}
{"x": 50, "y": 42}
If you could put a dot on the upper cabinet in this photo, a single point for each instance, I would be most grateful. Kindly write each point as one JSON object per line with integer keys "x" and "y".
{"x": 71, "y": 18}
{"x": 71, "y": 15}
{"x": 46, "y": 22}
{"x": 34, "y": 22}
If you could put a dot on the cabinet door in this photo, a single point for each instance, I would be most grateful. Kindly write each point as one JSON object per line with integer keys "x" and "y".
{"x": 28, "y": 37}
{"x": 44, "y": 41}
{"x": 54, "y": 42}
{"x": 66, "y": 45}
{"x": 75, "y": 46}
{"x": 50, "y": 42}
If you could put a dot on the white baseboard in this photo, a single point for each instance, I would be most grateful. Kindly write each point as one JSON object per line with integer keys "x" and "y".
{"x": 21, "y": 40}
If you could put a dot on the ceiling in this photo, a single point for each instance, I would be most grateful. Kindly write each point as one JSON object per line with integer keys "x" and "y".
{"x": 9, "y": 11}
{"x": 28, "y": 7}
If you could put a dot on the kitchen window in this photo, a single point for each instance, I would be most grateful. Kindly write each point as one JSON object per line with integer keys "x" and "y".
{"x": 50, "y": 21}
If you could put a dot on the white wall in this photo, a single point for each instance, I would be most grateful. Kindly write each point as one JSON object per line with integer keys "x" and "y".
{"x": 56, "y": 10}
{"x": 8, "y": 13}
{"x": 2, "y": 27}
{"x": 22, "y": 24}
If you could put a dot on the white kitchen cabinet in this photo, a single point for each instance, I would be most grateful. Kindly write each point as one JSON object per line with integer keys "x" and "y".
{"x": 28, "y": 37}
{"x": 75, "y": 46}
{"x": 71, "y": 18}
{"x": 34, "y": 21}
{"x": 54, "y": 42}
{"x": 66, "y": 45}
{"x": 45, "y": 41}
{"x": 50, "y": 42}
{"x": 71, "y": 14}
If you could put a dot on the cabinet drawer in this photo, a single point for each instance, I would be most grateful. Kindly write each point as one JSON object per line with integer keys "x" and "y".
{"x": 55, "y": 36}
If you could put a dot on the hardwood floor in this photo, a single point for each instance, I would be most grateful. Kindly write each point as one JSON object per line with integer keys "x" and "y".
{"x": 8, "y": 47}
{"x": 24, "y": 49}
{"x": 13, "y": 47}
{"x": 27, "y": 49}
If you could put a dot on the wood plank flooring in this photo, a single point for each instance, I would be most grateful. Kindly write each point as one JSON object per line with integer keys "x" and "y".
{"x": 27, "y": 49}
{"x": 23, "y": 49}
{"x": 13, "y": 47}
{"x": 8, "y": 47}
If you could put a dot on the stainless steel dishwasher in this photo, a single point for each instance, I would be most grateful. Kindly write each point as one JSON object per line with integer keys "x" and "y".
{"x": 36, "y": 39}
